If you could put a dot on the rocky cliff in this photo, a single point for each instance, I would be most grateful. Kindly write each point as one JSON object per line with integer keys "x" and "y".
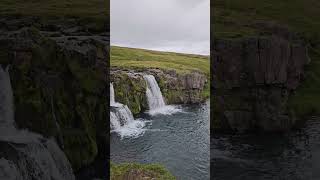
{"x": 59, "y": 74}
{"x": 130, "y": 87}
{"x": 253, "y": 80}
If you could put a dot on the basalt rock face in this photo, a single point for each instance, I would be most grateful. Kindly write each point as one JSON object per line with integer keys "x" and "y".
{"x": 130, "y": 87}
{"x": 36, "y": 159}
{"x": 59, "y": 85}
{"x": 253, "y": 79}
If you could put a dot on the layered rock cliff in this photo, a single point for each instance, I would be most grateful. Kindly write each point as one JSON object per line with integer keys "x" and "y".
{"x": 130, "y": 87}
{"x": 59, "y": 77}
{"x": 253, "y": 79}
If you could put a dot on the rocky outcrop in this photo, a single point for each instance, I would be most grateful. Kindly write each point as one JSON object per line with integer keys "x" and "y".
{"x": 33, "y": 159}
{"x": 59, "y": 81}
{"x": 130, "y": 87}
{"x": 253, "y": 79}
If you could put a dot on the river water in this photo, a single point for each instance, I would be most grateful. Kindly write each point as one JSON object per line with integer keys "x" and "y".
{"x": 179, "y": 141}
{"x": 294, "y": 156}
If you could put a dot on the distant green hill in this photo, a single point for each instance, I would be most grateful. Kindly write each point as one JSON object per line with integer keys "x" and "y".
{"x": 235, "y": 18}
{"x": 56, "y": 8}
{"x": 88, "y": 11}
{"x": 142, "y": 58}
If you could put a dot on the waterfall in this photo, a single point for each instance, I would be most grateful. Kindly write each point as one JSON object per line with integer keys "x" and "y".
{"x": 26, "y": 155}
{"x": 122, "y": 120}
{"x": 112, "y": 99}
{"x": 155, "y": 99}
{"x": 6, "y": 100}
{"x": 154, "y": 95}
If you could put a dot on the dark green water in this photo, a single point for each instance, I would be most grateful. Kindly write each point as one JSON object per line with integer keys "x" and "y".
{"x": 295, "y": 156}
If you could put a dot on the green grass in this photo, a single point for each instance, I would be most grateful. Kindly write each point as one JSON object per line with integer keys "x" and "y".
{"x": 97, "y": 10}
{"x": 235, "y": 18}
{"x": 141, "y": 58}
{"x": 152, "y": 170}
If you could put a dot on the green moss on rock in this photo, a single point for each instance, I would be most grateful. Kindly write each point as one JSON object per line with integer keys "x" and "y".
{"x": 136, "y": 171}
{"x": 59, "y": 91}
{"x": 130, "y": 91}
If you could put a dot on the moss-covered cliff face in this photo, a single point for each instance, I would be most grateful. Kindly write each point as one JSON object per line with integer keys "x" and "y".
{"x": 130, "y": 87}
{"x": 130, "y": 90}
{"x": 59, "y": 88}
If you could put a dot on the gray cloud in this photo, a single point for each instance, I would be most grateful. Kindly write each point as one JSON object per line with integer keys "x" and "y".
{"x": 166, "y": 25}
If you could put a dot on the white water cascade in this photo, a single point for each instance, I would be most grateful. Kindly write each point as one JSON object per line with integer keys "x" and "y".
{"x": 154, "y": 95}
{"x": 122, "y": 120}
{"x": 26, "y": 155}
{"x": 155, "y": 99}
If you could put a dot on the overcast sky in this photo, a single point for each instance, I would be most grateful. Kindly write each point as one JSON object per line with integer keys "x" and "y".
{"x": 165, "y": 25}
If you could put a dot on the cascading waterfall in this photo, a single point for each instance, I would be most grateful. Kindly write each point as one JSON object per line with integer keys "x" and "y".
{"x": 155, "y": 99}
{"x": 122, "y": 120}
{"x": 112, "y": 99}
{"x": 26, "y": 155}
{"x": 154, "y": 95}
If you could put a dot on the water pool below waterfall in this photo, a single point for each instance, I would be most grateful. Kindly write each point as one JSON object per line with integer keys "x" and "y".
{"x": 179, "y": 141}
{"x": 295, "y": 156}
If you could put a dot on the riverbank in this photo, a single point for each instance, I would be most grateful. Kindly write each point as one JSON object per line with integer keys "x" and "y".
{"x": 134, "y": 171}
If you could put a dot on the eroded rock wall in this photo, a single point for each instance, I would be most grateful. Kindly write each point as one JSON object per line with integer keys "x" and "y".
{"x": 130, "y": 87}
{"x": 59, "y": 85}
{"x": 253, "y": 79}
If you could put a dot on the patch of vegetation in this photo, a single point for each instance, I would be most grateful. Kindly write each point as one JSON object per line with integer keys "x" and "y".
{"x": 93, "y": 14}
{"x": 234, "y": 18}
{"x": 143, "y": 171}
{"x": 56, "y": 8}
{"x": 141, "y": 58}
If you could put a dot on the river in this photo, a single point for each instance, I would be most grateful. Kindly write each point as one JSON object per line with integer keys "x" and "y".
{"x": 294, "y": 156}
{"x": 179, "y": 141}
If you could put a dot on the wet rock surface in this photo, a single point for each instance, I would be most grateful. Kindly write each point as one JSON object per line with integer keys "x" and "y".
{"x": 253, "y": 79}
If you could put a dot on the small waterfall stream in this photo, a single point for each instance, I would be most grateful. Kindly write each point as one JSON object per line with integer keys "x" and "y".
{"x": 155, "y": 99}
{"x": 122, "y": 120}
{"x": 26, "y": 155}
{"x": 154, "y": 95}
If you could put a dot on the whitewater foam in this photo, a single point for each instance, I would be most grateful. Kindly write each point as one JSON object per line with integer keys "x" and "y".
{"x": 165, "y": 110}
{"x": 133, "y": 129}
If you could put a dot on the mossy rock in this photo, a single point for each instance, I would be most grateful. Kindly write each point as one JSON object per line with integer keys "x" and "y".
{"x": 136, "y": 171}
{"x": 130, "y": 91}
{"x": 58, "y": 89}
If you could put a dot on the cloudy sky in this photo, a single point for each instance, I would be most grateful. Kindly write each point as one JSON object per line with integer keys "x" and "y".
{"x": 165, "y": 25}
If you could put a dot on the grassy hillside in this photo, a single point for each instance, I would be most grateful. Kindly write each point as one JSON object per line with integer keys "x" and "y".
{"x": 235, "y": 18}
{"x": 141, "y": 58}
{"x": 89, "y": 11}
{"x": 77, "y": 8}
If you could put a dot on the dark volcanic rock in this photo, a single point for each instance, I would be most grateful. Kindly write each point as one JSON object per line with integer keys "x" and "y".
{"x": 252, "y": 81}
{"x": 59, "y": 86}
